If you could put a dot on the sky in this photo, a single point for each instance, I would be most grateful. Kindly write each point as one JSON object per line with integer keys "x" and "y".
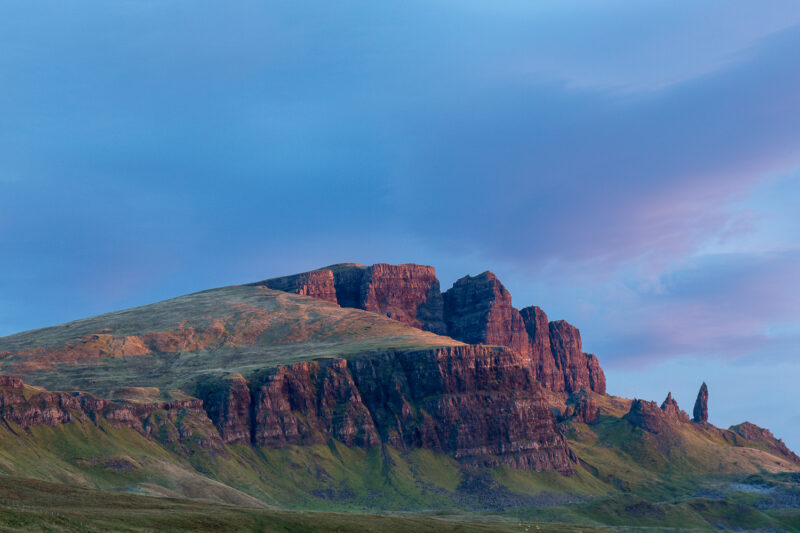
{"x": 632, "y": 167}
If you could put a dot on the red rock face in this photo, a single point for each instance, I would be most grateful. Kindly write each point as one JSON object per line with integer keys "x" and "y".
{"x": 597, "y": 378}
{"x": 582, "y": 407}
{"x": 537, "y": 326}
{"x": 406, "y": 293}
{"x": 480, "y": 404}
{"x": 317, "y": 283}
{"x": 309, "y": 403}
{"x": 478, "y": 310}
{"x": 671, "y": 409}
{"x": 168, "y": 422}
{"x": 227, "y": 403}
{"x": 579, "y": 370}
{"x": 648, "y": 416}
{"x": 701, "y": 405}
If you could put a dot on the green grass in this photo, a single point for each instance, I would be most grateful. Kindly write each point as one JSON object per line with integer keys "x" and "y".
{"x": 27, "y": 505}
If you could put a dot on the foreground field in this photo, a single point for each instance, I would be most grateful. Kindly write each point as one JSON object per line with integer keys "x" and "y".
{"x": 27, "y": 505}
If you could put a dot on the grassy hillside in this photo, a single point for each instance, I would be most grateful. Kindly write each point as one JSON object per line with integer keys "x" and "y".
{"x": 90, "y": 473}
{"x": 28, "y": 505}
{"x": 166, "y": 344}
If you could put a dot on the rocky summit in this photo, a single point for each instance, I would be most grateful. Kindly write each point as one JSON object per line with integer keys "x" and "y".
{"x": 475, "y": 310}
{"x": 358, "y": 387}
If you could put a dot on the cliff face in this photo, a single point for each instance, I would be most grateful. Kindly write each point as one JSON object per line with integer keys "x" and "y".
{"x": 407, "y": 293}
{"x": 476, "y": 310}
{"x": 482, "y": 405}
{"x": 176, "y": 422}
{"x": 537, "y": 326}
{"x": 317, "y": 283}
{"x": 556, "y": 348}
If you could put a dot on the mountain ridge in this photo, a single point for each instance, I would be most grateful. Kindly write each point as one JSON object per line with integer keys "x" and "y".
{"x": 288, "y": 397}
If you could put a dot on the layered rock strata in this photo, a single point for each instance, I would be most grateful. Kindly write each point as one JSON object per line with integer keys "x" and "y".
{"x": 174, "y": 422}
{"x": 480, "y": 404}
{"x": 317, "y": 283}
{"x": 407, "y": 293}
{"x": 476, "y": 310}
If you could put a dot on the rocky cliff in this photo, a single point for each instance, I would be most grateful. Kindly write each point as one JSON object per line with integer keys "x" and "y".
{"x": 475, "y": 310}
{"x": 317, "y": 283}
{"x": 407, "y": 293}
{"x": 478, "y": 310}
{"x": 479, "y": 404}
{"x": 173, "y": 422}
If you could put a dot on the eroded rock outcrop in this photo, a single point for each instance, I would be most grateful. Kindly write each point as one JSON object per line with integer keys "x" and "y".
{"x": 565, "y": 343}
{"x": 176, "y": 422}
{"x": 317, "y": 283}
{"x": 671, "y": 409}
{"x": 478, "y": 310}
{"x": 701, "y": 405}
{"x": 648, "y": 416}
{"x": 582, "y": 407}
{"x": 538, "y": 328}
{"x": 764, "y": 437}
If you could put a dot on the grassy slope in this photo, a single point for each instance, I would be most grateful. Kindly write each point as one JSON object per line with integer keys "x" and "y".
{"x": 27, "y": 505}
{"x": 231, "y": 329}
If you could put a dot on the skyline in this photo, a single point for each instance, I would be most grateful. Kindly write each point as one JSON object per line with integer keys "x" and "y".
{"x": 635, "y": 172}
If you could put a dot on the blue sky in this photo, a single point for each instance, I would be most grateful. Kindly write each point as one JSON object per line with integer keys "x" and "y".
{"x": 631, "y": 167}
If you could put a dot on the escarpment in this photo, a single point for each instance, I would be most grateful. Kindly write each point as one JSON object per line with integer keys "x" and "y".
{"x": 178, "y": 422}
{"x": 479, "y": 404}
{"x": 407, "y": 293}
{"x": 475, "y": 310}
{"x": 478, "y": 310}
{"x": 317, "y": 283}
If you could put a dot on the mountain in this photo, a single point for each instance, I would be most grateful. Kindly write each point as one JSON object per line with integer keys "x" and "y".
{"x": 368, "y": 389}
